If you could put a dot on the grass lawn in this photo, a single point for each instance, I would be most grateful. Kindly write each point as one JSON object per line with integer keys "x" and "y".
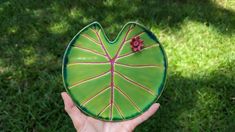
{"x": 198, "y": 36}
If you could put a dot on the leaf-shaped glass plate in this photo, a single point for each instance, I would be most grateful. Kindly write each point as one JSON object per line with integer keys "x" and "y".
{"x": 106, "y": 79}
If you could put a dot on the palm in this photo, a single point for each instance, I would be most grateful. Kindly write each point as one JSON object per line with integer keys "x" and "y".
{"x": 84, "y": 123}
{"x": 91, "y": 124}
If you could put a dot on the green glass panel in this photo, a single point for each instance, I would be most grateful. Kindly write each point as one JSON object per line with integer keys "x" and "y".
{"x": 114, "y": 80}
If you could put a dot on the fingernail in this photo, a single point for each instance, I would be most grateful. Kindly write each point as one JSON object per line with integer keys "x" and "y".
{"x": 62, "y": 94}
{"x": 158, "y": 104}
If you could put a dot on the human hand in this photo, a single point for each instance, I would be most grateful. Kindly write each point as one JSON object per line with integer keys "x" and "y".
{"x": 83, "y": 123}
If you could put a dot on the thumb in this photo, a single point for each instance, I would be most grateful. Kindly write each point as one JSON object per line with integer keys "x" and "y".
{"x": 74, "y": 113}
{"x": 135, "y": 122}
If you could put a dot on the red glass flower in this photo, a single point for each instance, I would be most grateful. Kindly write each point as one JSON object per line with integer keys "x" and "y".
{"x": 136, "y": 44}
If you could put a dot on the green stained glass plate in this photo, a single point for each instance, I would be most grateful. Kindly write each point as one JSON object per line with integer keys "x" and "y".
{"x": 114, "y": 80}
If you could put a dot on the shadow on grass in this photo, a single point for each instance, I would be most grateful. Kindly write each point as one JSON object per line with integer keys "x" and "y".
{"x": 167, "y": 13}
{"x": 199, "y": 103}
{"x": 48, "y": 26}
{"x": 33, "y": 37}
